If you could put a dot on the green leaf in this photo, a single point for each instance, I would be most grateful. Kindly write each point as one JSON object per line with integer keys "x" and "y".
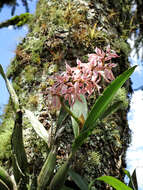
{"x": 79, "y": 109}
{"x": 133, "y": 181}
{"x": 127, "y": 173}
{"x": 6, "y": 178}
{"x": 59, "y": 179}
{"x": 91, "y": 184}
{"x": 111, "y": 109}
{"x": 47, "y": 170}
{"x": 12, "y": 92}
{"x": 66, "y": 188}
{"x": 20, "y": 164}
{"x": 78, "y": 180}
{"x": 117, "y": 184}
{"x": 3, "y": 186}
{"x": 62, "y": 116}
{"x": 38, "y": 127}
{"x": 100, "y": 107}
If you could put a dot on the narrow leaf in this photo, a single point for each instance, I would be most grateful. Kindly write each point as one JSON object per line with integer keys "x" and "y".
{"x": 91, "y": 184}
{"x": 133, "y": 181}
{"x": 100, "y": 106}
{"x": 66, "y": 188}
{"x": 11, "y": 90}
{"x": 20, "y": 164}
{"x": 6, "y": 178}
{"x": 62, "y": 116}
{"x": 79, "y": 109}
{"x": 78, "y": 180}
{"x": 38, "y": 127}
{"x": 127, "y": 173}
{"x": 60, "y": 177}
{"x": 47, "y": 170}
{"x": 115, "y": 183}
{"x": 3, "y": 186}
{"x": 111, "y": 109}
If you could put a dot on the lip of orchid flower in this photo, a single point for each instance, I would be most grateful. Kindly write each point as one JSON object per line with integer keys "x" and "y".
{"x": 85, "y": 77}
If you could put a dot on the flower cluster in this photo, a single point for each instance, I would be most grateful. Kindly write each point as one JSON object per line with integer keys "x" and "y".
{"x": 85, "y": 77}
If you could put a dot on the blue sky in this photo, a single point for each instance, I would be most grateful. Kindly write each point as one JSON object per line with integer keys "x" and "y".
{"x": 135, "y": 119}
{"x": 9, "y": 39}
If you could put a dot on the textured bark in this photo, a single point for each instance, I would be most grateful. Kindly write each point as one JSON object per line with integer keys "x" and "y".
{"x": 66, "y": 31}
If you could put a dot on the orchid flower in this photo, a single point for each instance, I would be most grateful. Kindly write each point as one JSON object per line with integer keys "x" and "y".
{"x": 85, "y": 77}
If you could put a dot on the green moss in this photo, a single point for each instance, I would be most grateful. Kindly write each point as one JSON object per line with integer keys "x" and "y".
{"x": 16, "y": 87}
{"x": 33, "y": 100}
{"x": 34, "y": 44}
{"x": 29, "y": 73}
{"x": 5, "y": 144}
{"x": 52, "y": 69}
{"x": 17, "y": 21}
{"x": 13, "y": 68}
{"x": 94, "y": 157}
{"x": 123, "y": 46}
{"x": 5, "y": 132}
{"x": 35, "y": 58}
{"x": 121, "y": 95}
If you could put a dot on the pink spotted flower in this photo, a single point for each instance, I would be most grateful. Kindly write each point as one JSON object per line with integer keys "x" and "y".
{"x": 85, "y": 78}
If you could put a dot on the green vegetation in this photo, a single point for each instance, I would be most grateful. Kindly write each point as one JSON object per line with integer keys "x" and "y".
{"x": 17, "y": 21}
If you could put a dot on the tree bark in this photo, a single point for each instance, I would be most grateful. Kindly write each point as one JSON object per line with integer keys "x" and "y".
{"x": 68, "y": 30}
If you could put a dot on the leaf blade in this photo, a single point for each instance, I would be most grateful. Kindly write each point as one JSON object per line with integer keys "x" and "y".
{"x": 117, "y": 184}
{"x": 37, "y": 126}
{"x": 79, "y": 109}
{"x": 78, "y": 180}
{"x": 6, "y": 178}
{"x": 11, "y": 90}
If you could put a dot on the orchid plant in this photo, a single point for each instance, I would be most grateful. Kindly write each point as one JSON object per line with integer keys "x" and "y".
{"x": 85, "y": 78}
{"x": 75, "y": 85}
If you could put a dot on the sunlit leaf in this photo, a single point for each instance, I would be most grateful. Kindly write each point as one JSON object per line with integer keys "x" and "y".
{"x": 38, "y": 127}
{"x": 117, "y": 184}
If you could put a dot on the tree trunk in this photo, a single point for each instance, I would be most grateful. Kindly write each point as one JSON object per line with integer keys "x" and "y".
{"x": 68, "y": 30}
